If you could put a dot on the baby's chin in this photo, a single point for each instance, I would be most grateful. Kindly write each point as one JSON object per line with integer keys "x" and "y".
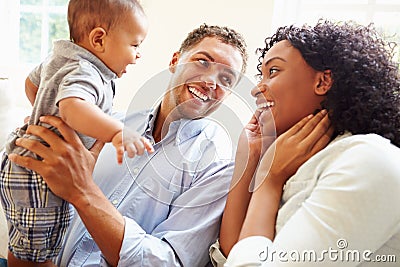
{"x": 121, "y": 73}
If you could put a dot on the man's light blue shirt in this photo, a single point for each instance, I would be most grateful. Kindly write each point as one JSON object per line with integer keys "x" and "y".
{"x": 172, "y": 200}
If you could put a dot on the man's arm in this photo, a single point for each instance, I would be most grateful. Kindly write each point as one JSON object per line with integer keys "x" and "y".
{"x": 67, "y": 169}
{"x": 183, "y": 238}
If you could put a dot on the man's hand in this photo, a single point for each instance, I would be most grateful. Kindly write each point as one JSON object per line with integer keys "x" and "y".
{"x": 66, "y": 164}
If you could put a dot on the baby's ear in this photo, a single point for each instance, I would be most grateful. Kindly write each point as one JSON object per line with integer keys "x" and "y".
{"x": 97, "y": 39}
{"x": 174, "y": 62}
{"x": 325, "y": 82}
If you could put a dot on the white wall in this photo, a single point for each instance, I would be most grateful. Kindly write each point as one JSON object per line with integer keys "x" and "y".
{"x": 171, "y": 20}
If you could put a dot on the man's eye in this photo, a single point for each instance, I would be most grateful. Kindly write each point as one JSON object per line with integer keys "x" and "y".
{"x": 204, "y": 62}
{"x": 226, "y": 81}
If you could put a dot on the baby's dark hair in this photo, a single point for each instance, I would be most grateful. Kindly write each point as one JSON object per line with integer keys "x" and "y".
{"x": 365, "y": 95}
{"x": 85, "y": 15}
{"x": 225, "y": 34}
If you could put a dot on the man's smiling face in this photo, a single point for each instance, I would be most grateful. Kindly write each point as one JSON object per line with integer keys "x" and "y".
{"x": 201, "y": 77}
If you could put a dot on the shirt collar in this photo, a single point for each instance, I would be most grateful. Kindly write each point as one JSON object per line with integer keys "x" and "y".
{"x": 151, "y": 120}
{"x": 184, "y": 129}
{"x": 190, "y": 128}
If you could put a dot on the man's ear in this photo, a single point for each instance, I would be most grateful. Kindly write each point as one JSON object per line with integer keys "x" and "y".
{"x": 97, "y": 39}
{"x": 325, "y": 82}
{"x": 174, "y": 62}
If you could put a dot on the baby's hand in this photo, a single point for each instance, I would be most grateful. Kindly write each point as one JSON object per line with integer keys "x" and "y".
{"x": 132, "y": 142}
{"x": 117, "y": 143}
{"x": 135, "y": 144}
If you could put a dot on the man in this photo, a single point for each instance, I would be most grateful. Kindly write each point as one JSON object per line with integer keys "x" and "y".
{"x": 163, "y": 208}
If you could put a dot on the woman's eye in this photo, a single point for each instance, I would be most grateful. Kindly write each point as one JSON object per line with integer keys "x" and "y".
{"x": 272, "y": 71}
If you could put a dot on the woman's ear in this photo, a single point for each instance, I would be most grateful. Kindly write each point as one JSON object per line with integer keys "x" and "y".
{"x": 97, "y": 39}
{"x": 174, "y": 62}
{"x": 324, "y": 82}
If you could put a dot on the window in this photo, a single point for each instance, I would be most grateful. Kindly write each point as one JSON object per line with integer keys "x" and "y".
{"x": 30, "y": 26}
{"x": 46, "y": 21}
{"x": 383, "y": 13}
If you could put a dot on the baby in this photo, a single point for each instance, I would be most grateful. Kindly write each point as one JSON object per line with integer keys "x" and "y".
{"x": 76, "y": 83}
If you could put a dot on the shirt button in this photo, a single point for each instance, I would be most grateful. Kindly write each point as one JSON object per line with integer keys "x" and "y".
{"x": 114, "y": 202}
{"x": 135, "y": 170}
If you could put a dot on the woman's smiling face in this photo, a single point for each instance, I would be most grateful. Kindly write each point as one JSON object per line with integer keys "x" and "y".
{"x": 290, "y": 89}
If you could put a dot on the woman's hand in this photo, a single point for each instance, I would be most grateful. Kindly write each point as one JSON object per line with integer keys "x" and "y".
{"x": 252, "y": 142}
{"x": 279, "y": 163}
{"x": 66, "y": 165}
{"x": 294, "y": 147}
{"x": 250, "y": 138}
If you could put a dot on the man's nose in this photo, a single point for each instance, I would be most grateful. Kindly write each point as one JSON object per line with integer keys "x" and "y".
{"x": 211, "y": 85}
{"x": 209, "y": 80}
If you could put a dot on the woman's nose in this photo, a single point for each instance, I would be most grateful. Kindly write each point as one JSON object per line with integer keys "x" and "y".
{"x": 259, "y": 89}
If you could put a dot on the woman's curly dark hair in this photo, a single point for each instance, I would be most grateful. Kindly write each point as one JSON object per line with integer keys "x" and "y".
{"x": 365, "y": 95}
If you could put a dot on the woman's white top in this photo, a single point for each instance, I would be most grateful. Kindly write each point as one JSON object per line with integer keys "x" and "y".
{"x": 341, "y": 208}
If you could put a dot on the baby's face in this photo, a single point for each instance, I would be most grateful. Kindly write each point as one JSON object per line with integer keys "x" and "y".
{"x": 122, "y": 42}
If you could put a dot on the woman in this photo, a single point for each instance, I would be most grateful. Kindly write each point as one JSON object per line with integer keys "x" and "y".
{"x": 336, "y": 207}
